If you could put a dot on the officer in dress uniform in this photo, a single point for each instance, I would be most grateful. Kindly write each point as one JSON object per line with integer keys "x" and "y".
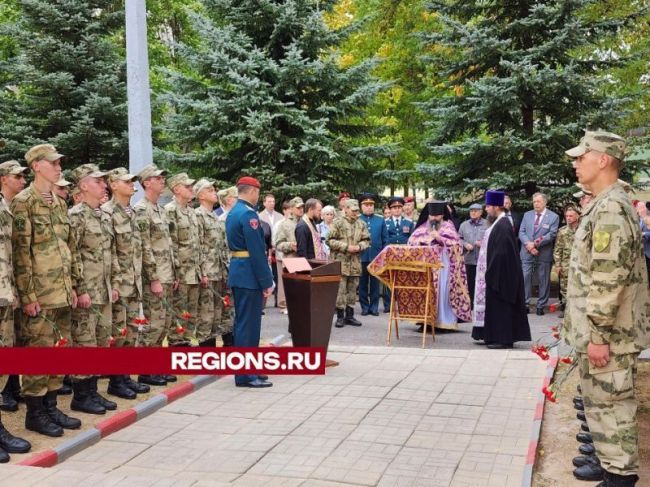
{"x": 399, "y": 230}
{"x": 250, "y": 276}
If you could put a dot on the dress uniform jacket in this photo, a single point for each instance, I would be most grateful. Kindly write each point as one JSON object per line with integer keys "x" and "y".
{"x": 398, "y": 230}
{"x": 378, "y": 236}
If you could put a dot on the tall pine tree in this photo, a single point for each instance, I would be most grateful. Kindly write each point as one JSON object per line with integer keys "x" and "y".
{"x": 66, "y": 83}
{"x": 520, "y": 81}
{"x": 263, "y": 93}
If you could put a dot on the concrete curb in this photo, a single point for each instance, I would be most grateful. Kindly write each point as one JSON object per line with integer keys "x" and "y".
{"x": 118, "y": 421}
{"x": 527, "y": 481}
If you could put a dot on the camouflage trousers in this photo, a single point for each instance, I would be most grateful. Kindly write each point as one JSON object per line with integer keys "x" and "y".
{"x": 7, "y": 335}
{"x": 125, "y": 310}
{"x": 564, "y": 280}
{"x": 611, "y": 411}
{"x": 186, "y": 299}
{"x": 347, "y": 295}
{"x": 91, "y": 327}
{"x": 39, "y": 331}
{"x": 159, "y": 313}
{"x": 214, "y": 319}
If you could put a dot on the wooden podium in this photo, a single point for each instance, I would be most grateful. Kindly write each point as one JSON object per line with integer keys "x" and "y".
{"x": 310, "y": 291}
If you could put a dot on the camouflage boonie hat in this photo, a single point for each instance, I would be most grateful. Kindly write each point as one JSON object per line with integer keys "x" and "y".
{"x": 12, "y": 167}
{"x": 63, "y": 183}
{"x": 42, "y": 151}
{"x": 224, "y": 193}
{"x": 180, "y": 178}
{"x": 601, "y": 141}
{"x": 121, "y": 174}
{"x": 202, "y": 184}
{"x": 84, "y": 171}
{"x": 150, "y": 171}
{"x": 351, "y": 204}
{"x": 297, "y": 202}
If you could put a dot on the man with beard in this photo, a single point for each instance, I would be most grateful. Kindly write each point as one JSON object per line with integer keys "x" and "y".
{"x": 499, "y": 304}
{"x": 308, "y": 240}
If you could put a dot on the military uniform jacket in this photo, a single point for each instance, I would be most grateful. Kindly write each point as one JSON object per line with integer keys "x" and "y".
{"x": 345, "y": 232}
{"x": 244, "y": 233}
{"x": 284, "y": 236}
{"x": 42, "y": 259}
{"x": 92, "y": 245}
{"x": 157, "y": 260}
{"x": 127, "y": 274}
{"x": 7, "y": 284}
{"x": 398, "y": 234}
{"x": 184, "y": 232}
{"x": 378, "y": 236}
{"x": 607, "y": 292}
{"x": 212, "y": 238}
{"x": 563, "y": 246}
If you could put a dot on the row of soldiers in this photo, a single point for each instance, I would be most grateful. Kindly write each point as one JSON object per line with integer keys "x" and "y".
{"x": 78, "y": 276}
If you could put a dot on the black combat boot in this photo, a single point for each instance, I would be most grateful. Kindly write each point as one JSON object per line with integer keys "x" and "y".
{"x": 152, "y": 380}
{"x": 587, "y": 448}
{"x": 12, "y": 444}
{"x": 117, "y": 387}
{"x": 615, "y": 480}
{"x": 56, "y": 415}
{"x": 584, "y": 437}
{"x": 66, "y": 388}
{"x": 37, "y": 418}
{"x": 228, "y": 339}
{"x": 170, "y": 378}
{"x": 82, "y": 399}
{"x": 349, "y": 317}
{"x": 136, "y": 387}
{"x": 585, "y": 459}
{"x": 340, "y": 318}
{"x": 9, "y": 402}
{"x": 581, "y": 416}
{"x": 590, "y": 472}
{"x": 584, "y": 426}
{"x": 98, "y": 398}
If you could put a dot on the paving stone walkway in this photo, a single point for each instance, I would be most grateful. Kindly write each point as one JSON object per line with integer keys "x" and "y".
{"x": 384, "y": 417}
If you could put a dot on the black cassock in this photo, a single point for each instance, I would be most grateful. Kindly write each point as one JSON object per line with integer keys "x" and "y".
{"x": 506, "y": 316}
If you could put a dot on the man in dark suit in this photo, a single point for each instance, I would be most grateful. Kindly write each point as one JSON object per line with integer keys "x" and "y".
{"x": 513, "y": 218}
{"x": 369, "y": 285}
{"x": 537, "y": 235}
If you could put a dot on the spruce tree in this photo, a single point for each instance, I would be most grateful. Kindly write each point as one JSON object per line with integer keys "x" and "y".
{"x": 66, "y": 83}
{"x": 520, "y": 81}
{"x": 263, "y": 94}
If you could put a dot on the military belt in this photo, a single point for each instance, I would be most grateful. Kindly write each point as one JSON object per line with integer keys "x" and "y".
{"x": 242, "y": 254}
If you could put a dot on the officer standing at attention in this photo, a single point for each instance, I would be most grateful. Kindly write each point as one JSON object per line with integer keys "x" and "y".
{"x": 250, "y": 276}
{"x": 607, "y": 309}
{"x": 369, "y": 284}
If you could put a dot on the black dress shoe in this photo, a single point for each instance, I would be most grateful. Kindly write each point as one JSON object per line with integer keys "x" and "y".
{"x": 256, "y": 384}
{"x": 262, "y": 377}
{"x": 152, "y": 380}
{"x": 581, "y": 416}
{"x": 364, "y": 313}
{"x": 499, "y": 346}
{"x": 586, "y": 459}
{"x": 539, "y": 312}
{"x": 12, "y": 444}
{"x": 590, "y": 472}
{"x": 374, "y": 313}
{"x": 386, "y": 310}
{"x": 584, "y": 426}
{"x": 587, "y": 448}
{"x": 584, "y": 438}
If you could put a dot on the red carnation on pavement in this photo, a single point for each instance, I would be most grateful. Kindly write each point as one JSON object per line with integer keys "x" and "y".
{"x": 180, "y": 330}
{"x": 62, "y": 342}
{"x": 556, "y": 335}
{"x": 554, "y": 328}
{"x": 140, "y": 321}
{"x": 112, "y": 341}
{"x": 566, "y": 360}
{"x": 550, "y": 395}
{"x": 186, "y": 315}
{"x": 123, "y": 331}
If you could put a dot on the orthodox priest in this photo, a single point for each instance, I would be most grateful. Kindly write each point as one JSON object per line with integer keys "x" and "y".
{"x": 435, "y": 230}
{"x": 499, "y": 303}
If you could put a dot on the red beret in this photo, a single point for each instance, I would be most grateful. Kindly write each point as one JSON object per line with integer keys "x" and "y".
{"x": 408, "y": 199}
{"x": 344, "y": 194}
{"x": 249, "y": 181}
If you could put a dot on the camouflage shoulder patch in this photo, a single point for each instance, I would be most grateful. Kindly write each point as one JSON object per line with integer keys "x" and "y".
{"x": 19, "y": 222}
{"x": 601, "y": 240}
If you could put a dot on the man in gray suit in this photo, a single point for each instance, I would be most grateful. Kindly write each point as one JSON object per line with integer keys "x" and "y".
{"x": 537, "y": 235}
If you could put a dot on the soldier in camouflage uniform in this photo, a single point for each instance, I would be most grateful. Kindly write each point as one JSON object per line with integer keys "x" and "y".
{"x": 157, "y": 264}
{"x": 562, "y": 250}
{"x": 214, "y": 315}
{"x": 126, "y": 277}
{"x": 8, "y": 442}
{"x": 284, "y": 238}
{"x": 347, "y": 239}
{"x": 607, "y": 309}
{"x": 12, "y": 182}
{"x": 42, "y": 268}
{"x": 93, "y": 251}
{"x": 183, "y": 229}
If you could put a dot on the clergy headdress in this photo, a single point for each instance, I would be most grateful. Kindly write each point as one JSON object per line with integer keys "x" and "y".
{"x": 494, "y": 197}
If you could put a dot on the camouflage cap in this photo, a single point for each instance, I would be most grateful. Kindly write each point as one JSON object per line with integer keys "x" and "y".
{"x": 180, "y": 178}
{"x": 12, "y": 167}
{"x": 351, "y": 204}
{"x": 150, "y": 171}
{"x": 297, "y": 202}
{"x": 225, "y": 193}
{"x": 202, "y": 184}
{"x": 121, "y": 174}
{"x": 600, "y": 141}
{"x": 63, "y": 183}
{"x": 84, "y": 171}
{"x": 583, "y": 191}
{"x": 42, "y": 151}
